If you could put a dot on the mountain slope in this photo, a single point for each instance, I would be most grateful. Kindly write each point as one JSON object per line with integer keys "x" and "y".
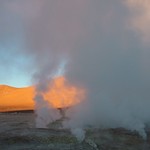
{"x": 59, "y": 94}
{"x": 15, "y": 99}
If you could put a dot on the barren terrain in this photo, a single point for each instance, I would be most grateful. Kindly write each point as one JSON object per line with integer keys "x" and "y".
{"x": 18, "y": 132}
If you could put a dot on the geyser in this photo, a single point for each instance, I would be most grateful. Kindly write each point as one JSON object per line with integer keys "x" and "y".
{"x": 58, "y": 95}
{"x": 104, "y": 53}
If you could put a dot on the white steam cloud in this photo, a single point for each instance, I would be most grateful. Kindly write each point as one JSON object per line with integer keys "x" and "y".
{"x": 140, "y": 18}
{"x": 46, "y": 114}
{"x": 102, "y": 55}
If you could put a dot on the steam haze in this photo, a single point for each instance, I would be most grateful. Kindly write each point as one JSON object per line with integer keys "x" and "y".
{"x": 106, "y": 49}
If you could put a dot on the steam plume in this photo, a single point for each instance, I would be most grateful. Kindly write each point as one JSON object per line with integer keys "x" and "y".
{"x": 102, "y": 55}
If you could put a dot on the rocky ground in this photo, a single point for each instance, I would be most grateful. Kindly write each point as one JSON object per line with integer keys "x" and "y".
{"x": 18, "y": 132}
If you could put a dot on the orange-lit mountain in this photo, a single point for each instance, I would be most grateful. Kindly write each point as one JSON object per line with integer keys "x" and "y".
{"x": 15, "y": 99}
{"x": 60, "y": 94}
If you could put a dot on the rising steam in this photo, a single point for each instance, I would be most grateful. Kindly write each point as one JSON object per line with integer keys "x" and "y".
{"x": 103, "y": 53}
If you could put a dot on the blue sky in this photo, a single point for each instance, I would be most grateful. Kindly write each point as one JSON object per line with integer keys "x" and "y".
{"x": 14, "y": 63}
{"x": 14, "y": 67}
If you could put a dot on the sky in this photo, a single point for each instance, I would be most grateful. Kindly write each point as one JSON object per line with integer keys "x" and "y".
{"x": 13, "y": 63}
{"x": 13, "y": 67}
{"x": 34, "y": 34}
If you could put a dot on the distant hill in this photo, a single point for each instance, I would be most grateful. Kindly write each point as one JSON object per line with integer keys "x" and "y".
{"x": 58, "y": 95}
{"x": 16, "y": 99}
